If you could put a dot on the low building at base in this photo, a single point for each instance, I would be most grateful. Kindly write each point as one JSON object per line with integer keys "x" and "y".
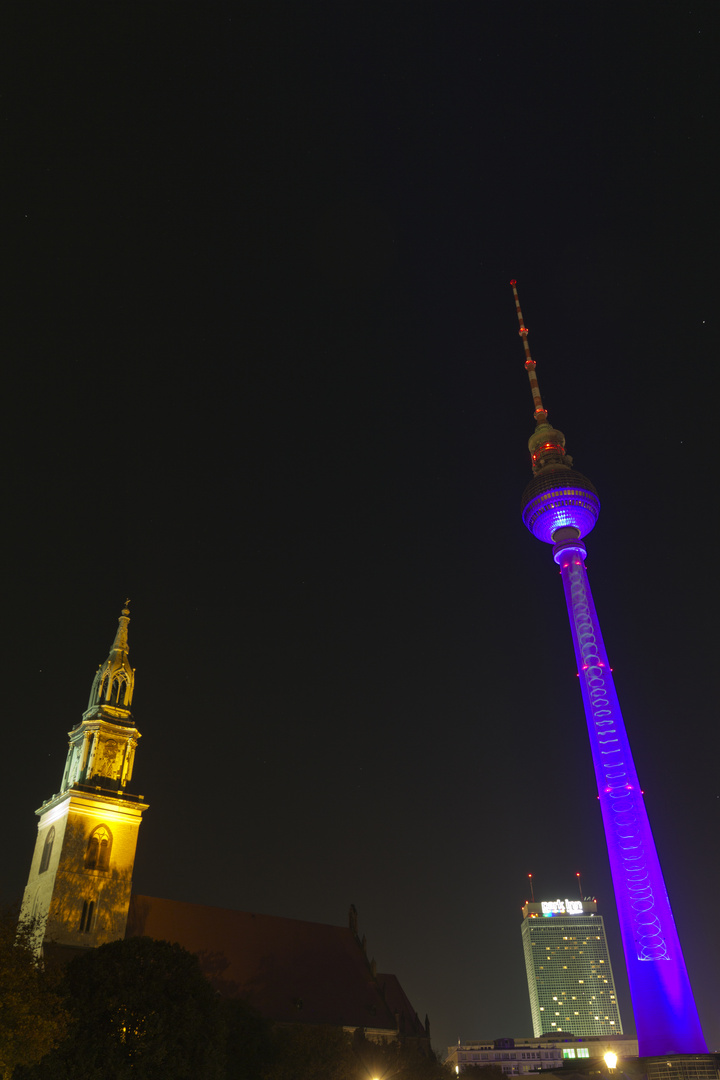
{"x": 682, "y": 1067}
{"x": 521, "y": 1055}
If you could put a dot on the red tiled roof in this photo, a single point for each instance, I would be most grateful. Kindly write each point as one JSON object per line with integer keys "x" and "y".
{"x": 288, "y": 970}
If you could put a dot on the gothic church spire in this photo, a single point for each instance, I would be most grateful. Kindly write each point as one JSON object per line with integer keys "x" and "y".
{"x": 114, "y": 681}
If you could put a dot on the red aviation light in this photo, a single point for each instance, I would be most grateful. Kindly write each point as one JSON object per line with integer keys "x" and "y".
{"x": 513, "y": 282}
{"x": 523, "y": 330}
{"x": 556, "y": 447}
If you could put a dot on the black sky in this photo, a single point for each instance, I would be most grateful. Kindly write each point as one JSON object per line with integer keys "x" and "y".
{"x": 262, "y": 375}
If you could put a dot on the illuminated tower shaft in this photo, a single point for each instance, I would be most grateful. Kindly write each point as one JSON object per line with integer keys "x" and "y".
{"x": 560, "y": 506}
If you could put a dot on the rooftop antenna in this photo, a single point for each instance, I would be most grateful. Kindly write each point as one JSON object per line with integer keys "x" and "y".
{"x": 579, "y": 881}
{"x": 532, "y": 891}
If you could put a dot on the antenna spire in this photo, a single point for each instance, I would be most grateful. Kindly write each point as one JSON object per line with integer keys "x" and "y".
{"x": 540, "y": 410}
{"x": 547, "y": 443}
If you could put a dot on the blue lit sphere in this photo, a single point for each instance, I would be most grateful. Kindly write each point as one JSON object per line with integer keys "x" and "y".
{"x": 556, "y": 499}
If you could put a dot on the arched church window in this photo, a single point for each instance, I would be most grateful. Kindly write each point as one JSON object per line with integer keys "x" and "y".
{"x": 97, "y": 856}
{"x": 47, "y": 850}
{"x": 88, "y": 914}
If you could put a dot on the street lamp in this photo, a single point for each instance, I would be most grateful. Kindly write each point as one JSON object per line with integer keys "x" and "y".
{"x": 611, "y": 1060}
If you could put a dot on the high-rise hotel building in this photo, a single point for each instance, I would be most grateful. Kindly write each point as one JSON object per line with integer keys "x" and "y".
{"x": 568, "y": 966}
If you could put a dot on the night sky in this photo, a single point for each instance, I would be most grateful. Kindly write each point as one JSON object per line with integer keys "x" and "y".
{"x": 262, "y": 374}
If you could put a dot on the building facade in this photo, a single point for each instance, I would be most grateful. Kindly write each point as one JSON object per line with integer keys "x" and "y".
{"x": 524, "y": 1055}
{"x": 569, "y": 973}
{"x": 505, "y": 1054}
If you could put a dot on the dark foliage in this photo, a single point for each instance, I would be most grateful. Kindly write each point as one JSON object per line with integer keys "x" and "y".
{"x": 143, "y": 1009}
{"x": 250, "y": 1041}
{"x": 32, "y": 1017}
{"x": 140, "y": 1009}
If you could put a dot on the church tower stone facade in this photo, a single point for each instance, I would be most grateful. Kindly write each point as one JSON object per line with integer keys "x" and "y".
{"x": 81, "y": 872}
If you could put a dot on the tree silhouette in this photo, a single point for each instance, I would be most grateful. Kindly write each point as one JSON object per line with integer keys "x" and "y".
{"x": 32, "y": 1016}
{"x": 141, "y": 1009}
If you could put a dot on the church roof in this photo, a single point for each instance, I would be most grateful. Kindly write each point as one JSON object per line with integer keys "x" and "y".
{"x": 287, "y": 969}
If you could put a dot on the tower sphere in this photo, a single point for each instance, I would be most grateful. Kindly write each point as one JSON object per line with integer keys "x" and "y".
{"x": 558, "y": 498}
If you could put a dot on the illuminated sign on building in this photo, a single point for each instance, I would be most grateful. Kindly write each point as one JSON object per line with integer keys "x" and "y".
{"x": 562, "y": 907}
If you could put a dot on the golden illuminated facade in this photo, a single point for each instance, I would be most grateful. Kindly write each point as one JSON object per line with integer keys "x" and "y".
{"x": 81, "y": 872}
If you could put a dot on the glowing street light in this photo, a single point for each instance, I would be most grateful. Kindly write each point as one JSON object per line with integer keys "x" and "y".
{"x": 610, "y": 1060}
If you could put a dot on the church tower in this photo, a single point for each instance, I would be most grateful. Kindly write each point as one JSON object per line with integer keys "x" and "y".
{"x": 81, "y": 872}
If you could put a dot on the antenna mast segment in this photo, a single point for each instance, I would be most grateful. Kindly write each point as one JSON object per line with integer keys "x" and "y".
{"x": 540, "y": 411}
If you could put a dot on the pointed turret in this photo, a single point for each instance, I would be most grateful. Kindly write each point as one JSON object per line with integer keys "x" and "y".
{"x": 102, "y": 746}
{"x": 115, "y": 680}
{"x": 559, "y": 503}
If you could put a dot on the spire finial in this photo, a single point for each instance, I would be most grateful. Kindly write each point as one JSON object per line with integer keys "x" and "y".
{"x": 540, "y": 411}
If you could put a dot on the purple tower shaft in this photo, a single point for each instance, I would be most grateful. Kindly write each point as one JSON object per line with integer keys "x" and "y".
{"x": 560, "y": 507}
{"x": 665, "y": 1013}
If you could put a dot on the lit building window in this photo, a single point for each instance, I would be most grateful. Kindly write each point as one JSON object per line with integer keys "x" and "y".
{"x": 86, "y": 919}
{"x": 47, "y": 850}
{"x": 97, "y": 856}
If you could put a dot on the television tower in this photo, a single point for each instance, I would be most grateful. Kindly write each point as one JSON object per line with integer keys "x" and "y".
{"x": 560, "y": 506}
